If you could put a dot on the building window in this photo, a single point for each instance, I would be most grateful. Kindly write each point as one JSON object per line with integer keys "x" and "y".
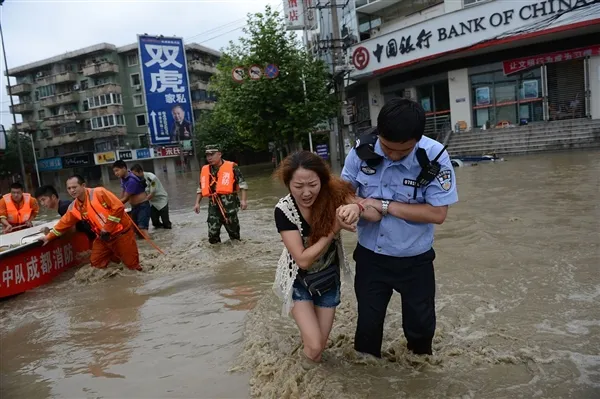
{"x": 135, "y": 79}
{"x": 41, "y": 114}
{"x": 132, "y": 59}
{"x": 471, "y": 2}
{"x": 106, "y": 121}
{"x": 101, "y": 81}
{"x": 500, "y": 100}
{"x": 138, "y": 100}
{"x": 104, "y": 100}
{"x": 143, "y": 140}
{"x": 140, "y": 120}
{"x": 83, "y": 85}
{"x": 46, "y": 91}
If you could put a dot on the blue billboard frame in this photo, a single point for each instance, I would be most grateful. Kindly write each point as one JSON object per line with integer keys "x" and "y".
{"x": 165, "y": 80}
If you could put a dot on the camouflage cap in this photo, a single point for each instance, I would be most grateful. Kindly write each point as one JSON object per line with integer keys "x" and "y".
{"x": 212, "y": 148}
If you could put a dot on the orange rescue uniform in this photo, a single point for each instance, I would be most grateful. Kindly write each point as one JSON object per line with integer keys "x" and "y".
{"x": 18, "y": 214}
{"x": 225, "y": 179}
{"x": 104, "y": 212}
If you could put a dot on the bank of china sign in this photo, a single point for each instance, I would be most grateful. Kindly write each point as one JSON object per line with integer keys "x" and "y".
{"x": 456, "y": 30}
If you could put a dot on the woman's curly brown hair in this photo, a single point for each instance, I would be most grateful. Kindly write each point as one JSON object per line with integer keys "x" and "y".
{"x": 334, "y": 191}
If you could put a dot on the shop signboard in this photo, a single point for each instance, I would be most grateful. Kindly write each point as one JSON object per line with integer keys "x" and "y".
{"x": 143, "y": 153}
{"x": 102, "y": 158}
{"x": 78, "y": 160}
{"x": 294, "y": 14}
{"x": 126, "y": 155}
{"x": 49, "y": 164}
{"x": 166, "y": 89}
{"x": 170, "y": 152}
{"x": 323, "y": 151}
{"x": 475, "y": 25}
{"x": 522, "y": 64}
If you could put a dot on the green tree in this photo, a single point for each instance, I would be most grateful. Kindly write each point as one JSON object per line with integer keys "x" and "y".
{"x": 272, "y": 110}
{"x": 9, "y": 161}
{"x": 213, "y": 128}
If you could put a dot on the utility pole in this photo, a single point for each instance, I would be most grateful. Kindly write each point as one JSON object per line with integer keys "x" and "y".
{"x": 12, "y": 107}
{"x": 338, "y": 60}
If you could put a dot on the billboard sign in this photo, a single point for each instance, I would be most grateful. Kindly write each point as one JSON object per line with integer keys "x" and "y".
{"x": 102, "y": 158}
{"x": 78, "y": 160}
{"x": 132, "y": 155}
{"x": 294, "y": 14}
{"x": 166, "y": 88}
{"x": 48, "y": 164}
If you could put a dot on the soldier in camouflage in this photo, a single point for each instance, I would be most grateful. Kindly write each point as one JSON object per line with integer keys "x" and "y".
{"x": 227, "y": 214}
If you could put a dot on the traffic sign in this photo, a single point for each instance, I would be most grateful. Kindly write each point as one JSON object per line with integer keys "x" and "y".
{"x": 271, "y": 71}
{"x": 255, "y": 72}
{"x": 238, "y": 74}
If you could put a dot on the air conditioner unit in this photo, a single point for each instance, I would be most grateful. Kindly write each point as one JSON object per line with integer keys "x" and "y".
{"x": 137, "y": 87}
{"x": 39, "y": 74}
{"x": 75, "y": 87}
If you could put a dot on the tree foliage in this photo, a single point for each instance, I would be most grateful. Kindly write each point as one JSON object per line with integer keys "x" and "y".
{"x": 9, "y": 161}
{"x": 214, "y": 130}
{"x": 271, "y": 110}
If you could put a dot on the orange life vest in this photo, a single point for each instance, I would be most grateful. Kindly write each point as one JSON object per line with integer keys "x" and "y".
{"x": 225, "y": 179}
{"x": 16, "y": 216}
{"x": 94, "y": 212}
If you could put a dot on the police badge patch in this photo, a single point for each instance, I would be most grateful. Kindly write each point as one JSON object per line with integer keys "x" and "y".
{"x": 445, "y": 179}
{"x": 367, "y": 170}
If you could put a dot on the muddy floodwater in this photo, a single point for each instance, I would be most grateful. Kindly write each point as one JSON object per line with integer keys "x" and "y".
{"x": 518, "y": 295}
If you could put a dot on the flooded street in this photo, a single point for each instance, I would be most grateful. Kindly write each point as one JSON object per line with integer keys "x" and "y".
{"x": 517, "y": 301}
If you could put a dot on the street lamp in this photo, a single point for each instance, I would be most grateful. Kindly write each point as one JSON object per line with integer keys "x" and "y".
{"x": 12, "y": 104}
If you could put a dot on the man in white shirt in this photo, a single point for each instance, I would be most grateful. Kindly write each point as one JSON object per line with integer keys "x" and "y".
{"x": 157, "y": 195}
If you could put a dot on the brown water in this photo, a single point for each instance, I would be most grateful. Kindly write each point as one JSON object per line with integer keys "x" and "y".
{"x": 518, "y": 306}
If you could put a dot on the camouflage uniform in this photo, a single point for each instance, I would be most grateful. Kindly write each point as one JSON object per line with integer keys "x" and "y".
{"x": 231, "y": 204}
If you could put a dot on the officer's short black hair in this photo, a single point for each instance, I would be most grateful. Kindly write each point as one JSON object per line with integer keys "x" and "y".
{"x": 401, "y": 120}
{"x": 46, "y": 191}
{"x": 119, "y": 164}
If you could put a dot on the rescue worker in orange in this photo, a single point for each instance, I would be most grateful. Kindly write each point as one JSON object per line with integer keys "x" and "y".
{"x": 17, "y": 209}
{"x": 220, "y": 181}
{"x": 106, "y": 215}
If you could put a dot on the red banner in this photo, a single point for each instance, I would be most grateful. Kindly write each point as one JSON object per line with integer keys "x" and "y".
{"x": 37, "y": 266}
{"x": 521, "y": 64}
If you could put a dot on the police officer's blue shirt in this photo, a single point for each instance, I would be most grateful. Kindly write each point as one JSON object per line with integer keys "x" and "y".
{"x": 394, "y": 181}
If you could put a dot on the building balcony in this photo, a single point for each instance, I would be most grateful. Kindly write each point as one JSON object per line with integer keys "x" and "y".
{"x": 23, "y": 108}
{"x": 59, "y": 99}
{"x": 201, "y": 66}
{"x": 102, "y": 68}
{"x": 58, "y": 120}
{"x": 64, "y": 77}
{"x": 374, "y": 6}
{"x": 22, "y": 88}
{"x": 113, "y": 109}
{"x": 203, "y": 105}
{"x": 27, "y": 126}
{"x": 199, "y": 85}
{"x": 103, "y": 89}
{"x": 63, "y": 139}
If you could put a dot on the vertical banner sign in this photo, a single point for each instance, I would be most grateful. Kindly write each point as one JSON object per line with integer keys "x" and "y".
{"x": 167, "y": 90}
{"x": 294, "y": 14}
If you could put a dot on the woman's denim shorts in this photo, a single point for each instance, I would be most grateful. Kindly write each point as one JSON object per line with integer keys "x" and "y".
{"x": 330, "y": 299}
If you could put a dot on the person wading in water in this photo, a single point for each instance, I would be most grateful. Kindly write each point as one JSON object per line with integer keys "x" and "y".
{"x": 308, "y": 273}
{"x": 220, "y": 181}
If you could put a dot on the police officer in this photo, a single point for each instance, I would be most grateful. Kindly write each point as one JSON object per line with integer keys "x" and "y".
{"x": 221, "y": 181}
{"x": 409, "y": 180}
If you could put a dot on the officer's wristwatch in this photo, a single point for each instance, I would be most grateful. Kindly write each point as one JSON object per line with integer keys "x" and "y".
{"x": 384, "y": 207}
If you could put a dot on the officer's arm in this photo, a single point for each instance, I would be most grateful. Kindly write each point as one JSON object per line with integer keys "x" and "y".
{"x": 351, "y": 168}
{"x": 241, "y": 182}
{"x": 440, "y": 193}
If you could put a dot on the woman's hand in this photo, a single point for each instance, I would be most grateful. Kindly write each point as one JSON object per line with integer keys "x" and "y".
{"x": 349, "y": 214}
{"x": 341, "y": 224}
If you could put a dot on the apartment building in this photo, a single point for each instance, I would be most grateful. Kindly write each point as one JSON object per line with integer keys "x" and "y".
{"x": 477, "y": 64}
{"x": 86, "y": 108}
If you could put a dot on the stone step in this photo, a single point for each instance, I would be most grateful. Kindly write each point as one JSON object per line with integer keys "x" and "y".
{"x": 535, "y": 149}
{"x": 557, "y": 144}
{"x": 523, "y": 138}
{"x": 526, "y": 129}
{"x": 497, "y": 147}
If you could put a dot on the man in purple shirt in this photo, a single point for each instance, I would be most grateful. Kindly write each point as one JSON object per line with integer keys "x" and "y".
{"x": 134, "y": 191}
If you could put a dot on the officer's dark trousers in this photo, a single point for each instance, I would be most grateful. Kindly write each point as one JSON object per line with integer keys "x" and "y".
{"x": 376, "y": 278}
